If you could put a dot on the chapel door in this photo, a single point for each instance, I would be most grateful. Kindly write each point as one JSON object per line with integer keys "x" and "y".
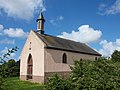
{"x": 30, "y": 67}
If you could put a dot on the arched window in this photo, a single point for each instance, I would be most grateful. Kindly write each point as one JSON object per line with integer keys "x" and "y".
{"x": 29, "y": 67}
{"x": 96, "y": 58}
{"x": 81, "y": 59}
{"x": 64, "y": 58}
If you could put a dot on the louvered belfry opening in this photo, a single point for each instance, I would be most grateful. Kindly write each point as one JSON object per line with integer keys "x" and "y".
{"x": 29, "y": 67}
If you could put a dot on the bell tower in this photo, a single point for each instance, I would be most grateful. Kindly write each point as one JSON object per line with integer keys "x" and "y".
{"x": 40, "y": 23}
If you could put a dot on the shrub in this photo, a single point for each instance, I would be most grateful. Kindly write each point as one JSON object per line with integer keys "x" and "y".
{"x": 116, "y": 55}
{"x": 95, "y": 75}
{"x": 55, "y": 82}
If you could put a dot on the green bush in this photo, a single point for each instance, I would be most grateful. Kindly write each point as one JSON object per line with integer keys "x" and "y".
{"x": 55, "y": 82}
{"x": 116, "y": 55}
{"x": 95, "y": 75}
{"x": 101, "y": 74}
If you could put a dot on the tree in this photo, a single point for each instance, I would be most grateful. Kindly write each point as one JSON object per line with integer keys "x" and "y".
{"x": 116, "y": 55}
{"x": 2, "y": 69}
{"x": 11, "y": 68}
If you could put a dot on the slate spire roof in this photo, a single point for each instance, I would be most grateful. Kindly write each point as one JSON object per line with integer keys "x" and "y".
{"x": 40, "y": 23}
{"x": 41, "y": 17}
{"x": 53, "y": 42}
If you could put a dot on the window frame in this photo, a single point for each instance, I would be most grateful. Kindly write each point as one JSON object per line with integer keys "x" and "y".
{"x": 64, "y": 58}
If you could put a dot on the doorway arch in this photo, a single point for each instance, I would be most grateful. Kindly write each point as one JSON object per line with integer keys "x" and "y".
{"x": 29, "y": 67}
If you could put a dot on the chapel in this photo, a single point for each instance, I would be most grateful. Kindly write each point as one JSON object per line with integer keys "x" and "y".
{"x": 44, "y": 55}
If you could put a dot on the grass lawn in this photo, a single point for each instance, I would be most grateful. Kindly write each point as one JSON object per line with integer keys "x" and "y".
{"x": 15, "y": 84}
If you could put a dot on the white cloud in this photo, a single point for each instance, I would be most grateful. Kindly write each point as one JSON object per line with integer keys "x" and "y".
{"x": 7, "y": 41}
{"x": 12, "y": 32}
{"x": 60, "y": 18}
{"x": 113, "y": 9}
{"x": 56, "y": 20}
{"x": 52, "y": 21}
{"x": 1, "y": 27}
{"x": 86, "y": 34}
{"x": 109, "y": 47}
{"x": 23, "y": 9}
{"x": 5, "y": 50}
{"x": 42, "y": 6}
{"x": 102, "y": 6}
{"x": 18, "y": 32}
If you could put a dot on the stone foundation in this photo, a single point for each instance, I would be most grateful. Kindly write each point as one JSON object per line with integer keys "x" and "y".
{"x": 38, "y": 79}
{"x": 43, "y": 79}
{"x": 35, "y": 79}
{"x": 23, "y": 77}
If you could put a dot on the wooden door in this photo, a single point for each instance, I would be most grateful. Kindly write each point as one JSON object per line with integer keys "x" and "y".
{"x": 30, "y": 67}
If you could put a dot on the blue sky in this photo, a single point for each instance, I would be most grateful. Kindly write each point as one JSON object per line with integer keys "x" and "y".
{"x": 94, "y": 22}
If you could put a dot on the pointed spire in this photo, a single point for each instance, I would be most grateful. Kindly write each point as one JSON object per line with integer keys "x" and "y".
{"x": 40, "y": 23}
{"x": 41, "y": 17}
